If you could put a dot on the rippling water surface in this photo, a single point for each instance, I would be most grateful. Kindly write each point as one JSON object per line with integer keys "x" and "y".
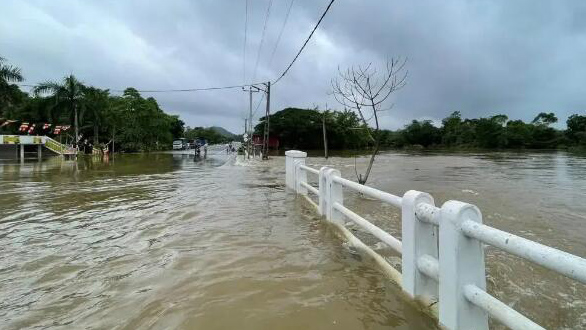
{"x": 162, "y": 242}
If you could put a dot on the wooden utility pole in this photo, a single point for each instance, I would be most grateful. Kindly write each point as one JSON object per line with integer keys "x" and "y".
{"x": 325, "y": 135}
{"x": 265, "y": 152}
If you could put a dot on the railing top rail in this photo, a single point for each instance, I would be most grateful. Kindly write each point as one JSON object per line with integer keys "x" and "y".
{"x": 372, "y": 192}
{"x": 309, "y": 169}
{"x": 562, "y": 262}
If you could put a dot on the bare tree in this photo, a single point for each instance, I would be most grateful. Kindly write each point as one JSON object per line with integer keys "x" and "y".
{"x": 364, "y": 90}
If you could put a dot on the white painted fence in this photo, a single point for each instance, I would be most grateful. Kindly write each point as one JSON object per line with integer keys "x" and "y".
{"x": 441, "y": 248}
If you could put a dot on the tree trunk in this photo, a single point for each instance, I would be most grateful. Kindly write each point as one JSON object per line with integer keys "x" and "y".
{"x": 75, "y": 123}
{"x": 361, "y": 179}
{"x": 95, "y": 134}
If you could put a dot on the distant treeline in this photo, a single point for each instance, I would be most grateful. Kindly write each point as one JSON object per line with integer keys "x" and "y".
{"x": 213, "y": 135}
{"x": 136, "y": 123}
{"x": 302, "y": 129}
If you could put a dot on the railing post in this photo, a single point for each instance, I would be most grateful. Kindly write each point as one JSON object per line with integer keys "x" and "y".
{"x": 290, "y": 157}
{"x": 322, "y": 190}
{"x": 461, "y": 262}
{"x": 419, "y": 238}
{"x": 300, "y": 176}
{"x": 334, "y": 194}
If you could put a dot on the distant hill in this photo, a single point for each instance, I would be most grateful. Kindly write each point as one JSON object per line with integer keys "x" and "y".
{"x": 222, "y": 131}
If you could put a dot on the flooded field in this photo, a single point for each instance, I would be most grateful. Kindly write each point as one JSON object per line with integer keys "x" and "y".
{"x": 163, "y": 242}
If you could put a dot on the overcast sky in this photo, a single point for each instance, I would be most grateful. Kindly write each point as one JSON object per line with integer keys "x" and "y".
{"x": 479, "y": 57}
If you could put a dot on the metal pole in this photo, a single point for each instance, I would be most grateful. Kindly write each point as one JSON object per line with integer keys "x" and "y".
{"x": 325, "y": 135}
{"x": 267, "y": 123}
{"x": 250, "y": 109}
{"x": 249, "y": 143}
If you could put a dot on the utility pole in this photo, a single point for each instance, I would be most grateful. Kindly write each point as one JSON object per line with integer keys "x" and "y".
{"x": 265, "y": 152}
{"x": 325, "y": 135}
{"x": 248, "y": 129}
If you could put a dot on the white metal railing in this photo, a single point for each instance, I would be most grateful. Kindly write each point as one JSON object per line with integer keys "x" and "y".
{"x": 442, "y": 255}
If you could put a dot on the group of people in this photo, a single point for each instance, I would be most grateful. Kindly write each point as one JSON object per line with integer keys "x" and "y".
{"x": 230, "y": 148}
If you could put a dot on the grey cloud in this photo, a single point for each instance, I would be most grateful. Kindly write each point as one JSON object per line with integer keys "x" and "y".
{"x": 479, "y": 57}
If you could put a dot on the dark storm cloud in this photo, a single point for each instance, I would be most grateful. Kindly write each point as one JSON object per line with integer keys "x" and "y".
{"x": 479, "y": 57}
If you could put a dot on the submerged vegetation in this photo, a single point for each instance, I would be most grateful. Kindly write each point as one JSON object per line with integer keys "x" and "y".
{"x": 302, "y": 129}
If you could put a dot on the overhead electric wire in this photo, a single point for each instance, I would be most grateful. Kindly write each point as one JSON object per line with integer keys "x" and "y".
{"x": 245, "y": 37}
{"x": 171, "y": 90}
{"x": 258, "y": 104}
{"x": 305, "y": 43}
{"x": 262, "y": 38}
{"x": 281, "y": 32}
{"x": 258, "y": 57}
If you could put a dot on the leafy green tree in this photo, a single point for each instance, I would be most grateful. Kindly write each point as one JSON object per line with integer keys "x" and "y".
{"x": 96, "y": 102}
{"x": 422, "y": 133}
{"x": 209, "y": 134}
{"x": 140, "y": 123}
{"x": 452, "y": 129}
{"x": 518, "y": 134}
{"x": 490, "y": 132}
{"x": 577, "y": 129}
{"x": 177, "y": 127}
{"x": 545, "y": 119}
{"x": 302, "y": 129}
{"x": 543, "y": 135}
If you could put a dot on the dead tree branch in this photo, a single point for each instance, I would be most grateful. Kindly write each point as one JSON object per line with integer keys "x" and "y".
{"x": 364, "y": 89}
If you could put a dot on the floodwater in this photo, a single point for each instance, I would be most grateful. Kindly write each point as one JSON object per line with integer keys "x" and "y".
{"x": 161, "y": 241}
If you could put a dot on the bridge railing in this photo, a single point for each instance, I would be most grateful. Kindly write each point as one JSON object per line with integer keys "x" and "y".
{"x": 442, "y": 254}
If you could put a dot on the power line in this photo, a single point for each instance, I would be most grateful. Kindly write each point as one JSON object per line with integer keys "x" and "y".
{"x": 262, "y": 38}
{"x": 172, "y": 90}
{"x": 305, "y": 43}
{"x": 258, "y": 104}
{"x": 244, "y": 50}
{"x": 281, "y": 32}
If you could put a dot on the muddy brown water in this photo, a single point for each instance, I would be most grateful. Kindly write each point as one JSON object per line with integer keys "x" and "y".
{"x": 162, "y": 242}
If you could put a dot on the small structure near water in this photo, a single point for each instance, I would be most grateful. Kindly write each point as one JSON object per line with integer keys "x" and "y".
{"x": 16, "y": 146}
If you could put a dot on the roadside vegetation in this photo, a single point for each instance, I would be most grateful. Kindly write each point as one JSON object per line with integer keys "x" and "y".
{"x": 302, "y": 129}
{"x": 98, "y": 117}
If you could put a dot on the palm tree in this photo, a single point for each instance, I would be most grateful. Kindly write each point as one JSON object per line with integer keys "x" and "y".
{"x": 69, "y": 94}
{"x": 8, "y": 92}
{"x": 9, "y": 73}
